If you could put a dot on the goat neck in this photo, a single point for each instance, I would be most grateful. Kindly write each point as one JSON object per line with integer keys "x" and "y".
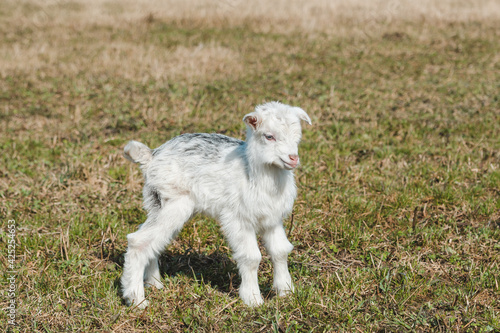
{"x": 265, "y": 176}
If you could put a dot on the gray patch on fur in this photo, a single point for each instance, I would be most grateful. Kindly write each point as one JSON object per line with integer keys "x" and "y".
{"x": 201, "y": 144}
{"x": 156, "y": 198}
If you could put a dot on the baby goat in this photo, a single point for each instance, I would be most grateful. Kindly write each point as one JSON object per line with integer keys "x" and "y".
{"x": 248, "y": 186}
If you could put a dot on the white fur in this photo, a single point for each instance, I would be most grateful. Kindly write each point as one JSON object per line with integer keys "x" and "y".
{"x": 247, "y": 186}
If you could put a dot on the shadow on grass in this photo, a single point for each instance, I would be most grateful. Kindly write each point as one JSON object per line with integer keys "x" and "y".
{"x": 215, "y": 269}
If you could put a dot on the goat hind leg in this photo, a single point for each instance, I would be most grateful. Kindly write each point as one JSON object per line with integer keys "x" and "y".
{"x": 145, "y": 245}
{"x": 136, "y": 259}
{"x": 152, "y": 277}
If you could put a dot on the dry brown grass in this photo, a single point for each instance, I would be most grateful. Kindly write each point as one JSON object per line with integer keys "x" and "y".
{"x": 277, "y": 15}
{"x": 126, "y": 59}
{"x": 69, "y": 37}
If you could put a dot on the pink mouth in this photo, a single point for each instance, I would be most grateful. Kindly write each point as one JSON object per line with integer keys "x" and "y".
{"x": 290, "y": 166}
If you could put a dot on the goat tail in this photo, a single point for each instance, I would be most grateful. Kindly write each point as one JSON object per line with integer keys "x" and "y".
{"x": 138, "y": 153}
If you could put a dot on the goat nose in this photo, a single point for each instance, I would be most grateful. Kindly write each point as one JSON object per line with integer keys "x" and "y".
{"x": 294, "y": 158}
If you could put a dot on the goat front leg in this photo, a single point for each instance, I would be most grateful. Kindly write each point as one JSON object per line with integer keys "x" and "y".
{"x": 246, "y": 253}
{"x": 278, "y": 247}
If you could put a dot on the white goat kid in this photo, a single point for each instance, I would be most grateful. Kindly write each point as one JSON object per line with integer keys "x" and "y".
{"x": 248, "y": 187}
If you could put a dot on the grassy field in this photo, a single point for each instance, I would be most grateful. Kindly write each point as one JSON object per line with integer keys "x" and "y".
{"x": 397, "y": 223}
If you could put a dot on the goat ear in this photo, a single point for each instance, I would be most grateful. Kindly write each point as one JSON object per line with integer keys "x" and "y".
{"x": 302, "y": 114}
{"x": 253, "y": 120}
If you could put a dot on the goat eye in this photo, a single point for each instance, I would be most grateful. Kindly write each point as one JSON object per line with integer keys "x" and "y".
{"x": 269, "y": 137}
